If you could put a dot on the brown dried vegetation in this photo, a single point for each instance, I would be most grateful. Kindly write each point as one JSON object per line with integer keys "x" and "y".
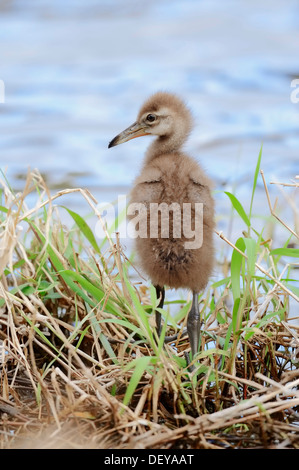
{"x": 81, "y": 366}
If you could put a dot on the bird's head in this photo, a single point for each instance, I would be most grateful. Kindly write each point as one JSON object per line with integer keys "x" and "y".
{"x": 163, "y": 115}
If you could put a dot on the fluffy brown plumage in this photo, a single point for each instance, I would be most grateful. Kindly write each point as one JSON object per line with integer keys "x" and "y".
{"x": 170, "y": 176}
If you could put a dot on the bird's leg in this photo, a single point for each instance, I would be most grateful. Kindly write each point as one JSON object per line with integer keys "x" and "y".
{"x": 160, "y": 292}
{"x": 194, "y": 325}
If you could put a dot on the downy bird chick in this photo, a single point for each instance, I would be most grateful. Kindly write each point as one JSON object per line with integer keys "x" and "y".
{"x": 177, "y": 250}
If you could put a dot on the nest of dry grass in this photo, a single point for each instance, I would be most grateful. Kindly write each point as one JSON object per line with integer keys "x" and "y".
{"x": 81, "y": 366}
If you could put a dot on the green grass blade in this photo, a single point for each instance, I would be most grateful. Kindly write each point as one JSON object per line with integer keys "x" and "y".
{"x": 70, "y": 277}
{"x": 257, "y": 170}
{"x": 124, "y": 323}
{"x": 139, "y": 311}
{"x": 227, "y": 342}
{"x": 293, "y": 252}
{"x": 236, "y": 264}
{"x": 141, "y": 365}
{"x": 40, "y": 333}
{"x": 236, "y": 316}
{"x": 238, "y": 207}
{"x": 251, "y": 247}
{"x": 106, "y": 345}
{"x": 97, "y": 293}
{"x": 84, "y": 228}
{"x": 3, "y": 209}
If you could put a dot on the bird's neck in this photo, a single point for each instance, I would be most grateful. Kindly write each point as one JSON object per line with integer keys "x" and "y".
{"x": 162, "y": 145}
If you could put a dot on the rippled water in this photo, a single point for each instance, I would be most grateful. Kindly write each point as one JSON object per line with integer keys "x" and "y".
{"x": 76, "y": 72}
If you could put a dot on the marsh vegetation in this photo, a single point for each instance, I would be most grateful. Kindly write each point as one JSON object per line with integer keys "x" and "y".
{"x": 82, "y": 366}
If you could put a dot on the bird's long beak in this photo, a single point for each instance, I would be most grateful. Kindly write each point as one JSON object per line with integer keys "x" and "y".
{"x": 135, "y": 130}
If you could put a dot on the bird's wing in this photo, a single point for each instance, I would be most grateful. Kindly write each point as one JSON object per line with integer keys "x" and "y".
{"x": 200, "y": 191}
{"x": 149, "y": 175}
{"x": 147, "y": 187}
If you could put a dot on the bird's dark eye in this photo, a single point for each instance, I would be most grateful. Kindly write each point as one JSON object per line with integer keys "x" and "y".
{"x": 150, "y": 117}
